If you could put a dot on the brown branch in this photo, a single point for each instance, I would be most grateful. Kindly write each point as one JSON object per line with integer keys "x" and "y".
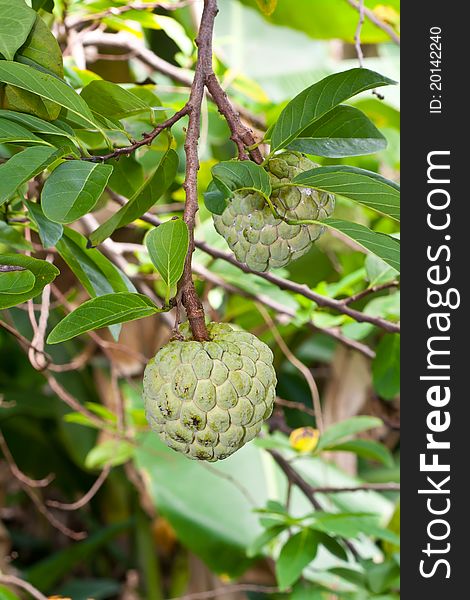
{"x": 241, "y": 135}
{"x": 287, "y": 285}
{"x": 146, "y": 140}
{"x": 87, "y": 497}
{"x": 187, "y": 291}
{"x": 365, "y": 487}
{"x": 373, "y": 18}
{"x": 24, "y": 585}
{"x": 368, "y": 291}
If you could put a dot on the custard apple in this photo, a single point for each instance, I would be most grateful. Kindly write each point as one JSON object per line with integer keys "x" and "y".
{"x": 208, "y": 399}
{"x": 257, "y": 237}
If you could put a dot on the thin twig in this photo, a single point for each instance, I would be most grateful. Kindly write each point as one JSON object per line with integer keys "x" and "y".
{"x": 373, "y": 18}
{"x": 295, "y": 406}
{"x": 298, "y": 364}
{"x": 87, "y": 497}
{"x": 24, "y": 585}
{"x": 368, "y": 291}
{"x": 16, "y": 471}
{"x": 357, "y": 35}
{"x": 365, "y": 487}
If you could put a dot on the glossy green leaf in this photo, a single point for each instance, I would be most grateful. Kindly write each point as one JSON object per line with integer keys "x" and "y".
{"x": 22, "y": 167}
{"x": 37, "y": 125}
{"x": 242, "y": 175}
{"x": 215, "y": 199}
{"x": 344, "y": 131}
{"x": 102, "y": 311}
{"x": 11, "y": 133}
{"x": 167, "y": 245}
{"x": 345, "y": 429}
{"x": 49, "y": 232}
{"x": 320, "y": 98}
{"x": 95, "y": 272}
{"x": 42, "y": 50}
{"x": 111, "y": 100}
{"x": 382, "y": 245}
{"x": 46, "y": 86}
{"x": 16, "y": 21}
{"x": 295, "y": 555}
{"x": 386, "y": 367}
{"x": 143, "y": 199}
{"x": 16, "y": 282}
{"x": 366, "y": 449}
{"x": 43, "y": 271}
{"x": 73, "y": 189}
{"x": 352, "y": 525}
{"x": 365, "y": 187}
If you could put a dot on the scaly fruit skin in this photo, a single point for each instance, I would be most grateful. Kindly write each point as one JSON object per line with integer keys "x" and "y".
{"x": 208, "y": 399}
{"x": 259, "y": 239}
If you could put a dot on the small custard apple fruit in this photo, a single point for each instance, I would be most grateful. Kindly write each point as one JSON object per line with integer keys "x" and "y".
{"x": 256, "y": 236}
{"x": 208, "y": 399}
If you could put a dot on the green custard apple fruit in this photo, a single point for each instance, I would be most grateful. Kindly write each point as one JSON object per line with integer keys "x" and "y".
{"x": 208, "y": 399}
{"x": 256, "y": 236}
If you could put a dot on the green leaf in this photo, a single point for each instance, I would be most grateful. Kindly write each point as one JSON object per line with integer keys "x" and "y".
{"x": 73, "y": 189}
{"x": 21, "y": 167}
{"x": 320, "y": 98}
{"x": 344, "y": 131}
{"x": 352, "y": 525}
{"x": 42, "y": 270}
{"x": 46, "y": 86}
{"x": 7, "y": 594}
{"x": 386, "y": 367}
{"x": 102, "y": 311}
{"x": 332, "y": 545}
{"x": 215, "y": 199}
{"x": 12, "y": 238}
{"x": 112, "y": 101}
{"x": 295, "y": 555}
{"x": 355, "y": 577}
{"x": 16, "y": 282}
{"x": 49, "y": 232}
{"x": 167, "y": 245}
{"x": 366, "y": 449}
{"x": 12, "y": 133}
{"x": 95, "y": 272}
{"x": 344, "y": 429}
{"x": 37, "y": 125}
{"x": 382, "y": 245}
{"x": 242, "y": 175}
{"x": 143, "y": 199}
{"x": 110, "y": 452}
{"x": 263, "y": 539}
{"x": 367, "y": 188}
{"x": 42, "y": 50}
{"x": 16, "y": 21}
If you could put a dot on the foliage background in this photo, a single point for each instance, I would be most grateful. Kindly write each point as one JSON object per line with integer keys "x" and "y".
{"x": 161, "y": 526}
